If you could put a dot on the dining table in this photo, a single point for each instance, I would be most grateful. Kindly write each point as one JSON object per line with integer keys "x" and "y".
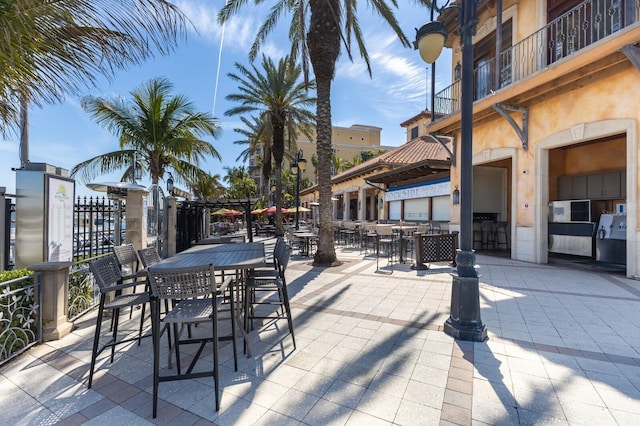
{"x": 402, "y": 230}
{"x": 237, "y": 257}
{"x": 306, "y": 238}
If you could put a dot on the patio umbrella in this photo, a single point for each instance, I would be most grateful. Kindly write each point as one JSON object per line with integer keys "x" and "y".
{"x": 233, "y": 213}
{"x": 258, "y": 211}
{"x": 300, "y": 209}
{"x": 272, "y": 209}
{"x": 222, "y": 211}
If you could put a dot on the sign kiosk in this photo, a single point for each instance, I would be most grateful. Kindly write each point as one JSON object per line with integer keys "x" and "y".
{"x": 44, "y": 214}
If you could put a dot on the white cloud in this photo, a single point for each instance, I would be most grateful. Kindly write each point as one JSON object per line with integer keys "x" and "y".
{"x": 203, "y": 17}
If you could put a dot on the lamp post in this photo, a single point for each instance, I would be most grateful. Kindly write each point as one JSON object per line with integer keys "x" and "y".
{"x": 297, "y": 168}
{"x": 464, "y": 321}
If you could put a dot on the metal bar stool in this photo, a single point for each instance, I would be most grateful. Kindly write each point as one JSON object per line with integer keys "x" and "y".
{"x": 502, "y": 238}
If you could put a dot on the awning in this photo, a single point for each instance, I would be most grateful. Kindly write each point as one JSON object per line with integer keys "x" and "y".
{"x": 414, "y": 171}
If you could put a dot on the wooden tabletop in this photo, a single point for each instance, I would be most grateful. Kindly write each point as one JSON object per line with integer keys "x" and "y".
{"x": 222, "y": 257}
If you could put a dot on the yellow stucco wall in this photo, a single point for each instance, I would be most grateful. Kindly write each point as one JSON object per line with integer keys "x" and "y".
{"x": 605, "y": 98}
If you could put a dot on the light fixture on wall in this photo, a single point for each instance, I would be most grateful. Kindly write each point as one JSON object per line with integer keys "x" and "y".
{"x": 457, "y": 71}
{"x": 456, "y": 195}
{"x": 170, "y": 184}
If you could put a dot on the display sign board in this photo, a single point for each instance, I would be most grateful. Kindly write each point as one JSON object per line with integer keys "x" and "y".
{"x": 59, "y": 231}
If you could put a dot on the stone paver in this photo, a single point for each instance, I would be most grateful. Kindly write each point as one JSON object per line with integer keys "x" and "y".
{"x": 563, "y": 349}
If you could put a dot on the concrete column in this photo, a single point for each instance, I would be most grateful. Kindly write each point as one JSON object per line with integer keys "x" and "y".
{"x": 171, "y": 218}
{"x": 362, "y": 204}
{"x": 137, "y": 218}
{"x": 347, "y": 201}
{"x": 382, "y": 207}
{"x": 55, "y": 299}
{"x": 207, "y": 223}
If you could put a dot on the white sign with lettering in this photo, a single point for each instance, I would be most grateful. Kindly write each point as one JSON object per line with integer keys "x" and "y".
{"x": 423, "y": 191}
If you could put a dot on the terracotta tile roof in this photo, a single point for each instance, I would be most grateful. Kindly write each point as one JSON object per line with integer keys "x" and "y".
{"x": 417, "y": 150}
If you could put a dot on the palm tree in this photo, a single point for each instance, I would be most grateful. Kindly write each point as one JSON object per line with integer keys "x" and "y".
{"x": 208, "y": 187}
{"x": 258, "y": 136}
{"x": 338, "y": 164}
{"x": 317, "y": 38}
{"x": 241, "y": 184}
{"x": 279, "y": 95}
{"x": 157, "y": 130}
{"x": 52, "y": 48}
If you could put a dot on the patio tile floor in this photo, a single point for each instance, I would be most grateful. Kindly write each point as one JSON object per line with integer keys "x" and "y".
{"x": 562, "y": 349}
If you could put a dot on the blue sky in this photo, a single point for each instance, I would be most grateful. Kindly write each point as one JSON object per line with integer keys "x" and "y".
{"x": 64, "y": 135}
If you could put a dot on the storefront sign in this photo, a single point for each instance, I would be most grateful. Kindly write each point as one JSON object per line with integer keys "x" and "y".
{"x": 434, "y": 189}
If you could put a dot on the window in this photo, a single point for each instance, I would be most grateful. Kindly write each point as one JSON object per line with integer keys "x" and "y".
{"x": 414, "y": 132}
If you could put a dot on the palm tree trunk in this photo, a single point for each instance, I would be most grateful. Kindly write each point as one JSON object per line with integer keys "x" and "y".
{"x": 278, "y": 155}
{"x": 24, "y": 132}
{"x": 324, "y": 47}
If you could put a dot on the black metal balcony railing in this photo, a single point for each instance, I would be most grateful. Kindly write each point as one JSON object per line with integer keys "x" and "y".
{"x": 587, "y": 23}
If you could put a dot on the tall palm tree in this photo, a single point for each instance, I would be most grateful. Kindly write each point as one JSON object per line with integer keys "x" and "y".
{"x": 283, "y": 98}
{"x": 52, "y": 48}
{"x": 318, "y": 27}
{"x": 258, "y": 136}
{"x": 156, "y": 129}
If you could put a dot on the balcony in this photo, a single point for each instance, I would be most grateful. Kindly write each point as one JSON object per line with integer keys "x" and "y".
{"x": 580, "y": 27}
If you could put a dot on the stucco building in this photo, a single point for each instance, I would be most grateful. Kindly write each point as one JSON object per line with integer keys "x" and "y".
{"x": 347, "y": 142}
{"x": 555, "y": 117}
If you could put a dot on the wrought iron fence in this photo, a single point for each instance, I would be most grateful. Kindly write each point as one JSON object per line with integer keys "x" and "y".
{"x": 587, "y": 23}
{"x": 96, "y": 222}
{"x": 20, "y": 315}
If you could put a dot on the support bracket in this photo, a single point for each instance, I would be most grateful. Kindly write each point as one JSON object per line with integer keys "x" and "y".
{"x": 452, "y": 155}
{"x": 522, "y": 132}
{"x": 632, "y": 52}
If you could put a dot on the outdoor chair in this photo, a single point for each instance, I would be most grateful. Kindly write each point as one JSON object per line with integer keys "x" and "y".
{"x": 436, "y": 228}
{"x": 270, "y": 281}
{"x": 386, "y": 241}
{"x": 108, "y": 277}
{"x": 502, "y": 238}
{"x": 408, "y": 242}
{"x": 129, "y": 264}
{"x": 199, "y": 302}
{"x": 127, "y": 259}
{"x": 349, "y": 233}
{"x": 149, "y": 256}
{"x": 369, "y": 237}
{"x": 488, "y": 235}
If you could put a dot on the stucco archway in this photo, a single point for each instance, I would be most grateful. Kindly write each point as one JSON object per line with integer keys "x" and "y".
{"x": 577, "y": 134}
{"x": 498, "y": 154}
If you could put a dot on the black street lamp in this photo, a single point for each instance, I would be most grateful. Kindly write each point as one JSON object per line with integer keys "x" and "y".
{"x": 296, "y": 169}
{"x": 464, "y": 321}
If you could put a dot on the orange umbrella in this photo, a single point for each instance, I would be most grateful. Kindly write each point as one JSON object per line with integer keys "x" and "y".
{"x": 233, "y": 213}
{"x": 272, "y": 209}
